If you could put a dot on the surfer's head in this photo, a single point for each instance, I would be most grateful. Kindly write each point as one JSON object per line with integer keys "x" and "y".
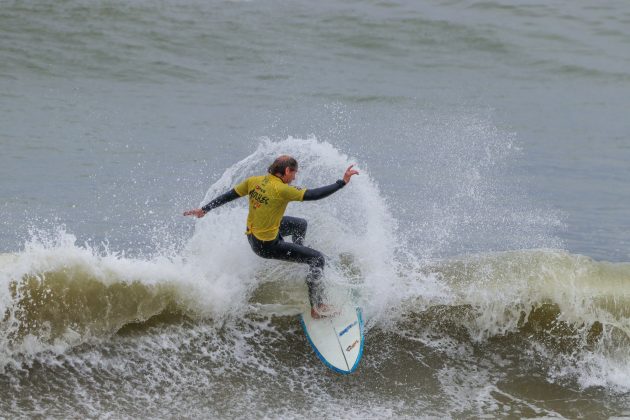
{"x": 284, "y": 167}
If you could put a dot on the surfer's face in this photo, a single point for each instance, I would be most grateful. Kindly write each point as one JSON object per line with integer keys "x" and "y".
{"x": 289, "y": 175}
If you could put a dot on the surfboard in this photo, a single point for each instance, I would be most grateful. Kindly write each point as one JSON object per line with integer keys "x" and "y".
{"x": 337, "y": 340}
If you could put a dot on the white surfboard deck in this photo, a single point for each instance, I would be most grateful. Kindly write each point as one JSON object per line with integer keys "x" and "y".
{"x": 337, "y": 340}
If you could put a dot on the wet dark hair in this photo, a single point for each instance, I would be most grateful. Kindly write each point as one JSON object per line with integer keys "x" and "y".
{"x": 281, "y": 164}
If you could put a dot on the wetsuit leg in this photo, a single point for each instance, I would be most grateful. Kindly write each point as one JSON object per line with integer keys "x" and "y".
{"x": 294, "y": 227}
{"x": 279, "y": 249}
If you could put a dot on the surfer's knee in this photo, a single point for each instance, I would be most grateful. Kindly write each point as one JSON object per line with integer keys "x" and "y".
{"x": 300, "y": 231}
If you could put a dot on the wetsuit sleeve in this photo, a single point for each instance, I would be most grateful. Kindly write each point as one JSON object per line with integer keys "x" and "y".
{"x": 323, "y": 192}
{"x": 221, "y": 200}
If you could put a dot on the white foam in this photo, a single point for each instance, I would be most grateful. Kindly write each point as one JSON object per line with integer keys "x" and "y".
{"x": 216, "y": 274}
{"x": 354, "y": 221}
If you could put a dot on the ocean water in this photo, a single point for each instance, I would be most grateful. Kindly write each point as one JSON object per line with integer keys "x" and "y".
{"x": 487, "y": 235}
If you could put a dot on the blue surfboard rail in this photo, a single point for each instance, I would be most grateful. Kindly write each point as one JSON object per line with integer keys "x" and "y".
{"x": 323, "y": 359}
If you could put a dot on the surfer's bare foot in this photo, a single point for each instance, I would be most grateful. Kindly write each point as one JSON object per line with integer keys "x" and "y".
{"x": 323, "y": 311}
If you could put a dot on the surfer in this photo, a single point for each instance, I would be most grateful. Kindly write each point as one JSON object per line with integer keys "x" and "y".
{"x": 267, "y": 225}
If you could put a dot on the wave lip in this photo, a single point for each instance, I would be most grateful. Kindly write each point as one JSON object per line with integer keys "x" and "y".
{"x": 55, "y": 295}
{"x": 567, "y": 310}
{"x": 585, "y": 290}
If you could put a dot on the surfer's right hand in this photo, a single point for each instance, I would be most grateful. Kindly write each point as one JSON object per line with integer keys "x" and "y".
{"x": 199, "y": 213}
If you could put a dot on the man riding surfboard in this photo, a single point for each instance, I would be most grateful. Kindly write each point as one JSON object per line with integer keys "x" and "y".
{"x": 267, "y": 225}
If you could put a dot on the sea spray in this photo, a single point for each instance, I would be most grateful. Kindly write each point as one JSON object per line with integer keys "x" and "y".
{"x": 59, "y": 297}
{"x": 355, "y": 222}
{"x": 58, "y": 294}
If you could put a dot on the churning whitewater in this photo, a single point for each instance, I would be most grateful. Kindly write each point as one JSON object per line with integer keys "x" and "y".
{"x": 215, "y": 328}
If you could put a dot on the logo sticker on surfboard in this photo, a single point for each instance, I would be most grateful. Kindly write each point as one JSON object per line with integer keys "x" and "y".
{"x": 353, "y": 345}
{"x": 345, "y": 330}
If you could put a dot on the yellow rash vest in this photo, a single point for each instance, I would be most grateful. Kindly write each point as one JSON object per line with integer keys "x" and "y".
{"x": 268, "y": 200}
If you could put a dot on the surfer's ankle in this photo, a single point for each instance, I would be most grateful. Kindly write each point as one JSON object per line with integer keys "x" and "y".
{"x": 315, "y": 314}
{"x": 322, "y": 311}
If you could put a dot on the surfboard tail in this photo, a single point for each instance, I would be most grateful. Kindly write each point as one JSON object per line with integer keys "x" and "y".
{"x": 337, "y": 341}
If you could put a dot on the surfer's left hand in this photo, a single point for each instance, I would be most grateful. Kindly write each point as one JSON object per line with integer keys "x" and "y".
{"x": 349, "y": 173}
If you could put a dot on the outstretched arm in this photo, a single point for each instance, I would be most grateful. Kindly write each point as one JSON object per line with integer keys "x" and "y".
{"x": 219, "y": 201}
{"x": 323, "y": 192}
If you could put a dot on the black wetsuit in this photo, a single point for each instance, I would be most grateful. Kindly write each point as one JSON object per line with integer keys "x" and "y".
{"x": 293, "y": 251}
